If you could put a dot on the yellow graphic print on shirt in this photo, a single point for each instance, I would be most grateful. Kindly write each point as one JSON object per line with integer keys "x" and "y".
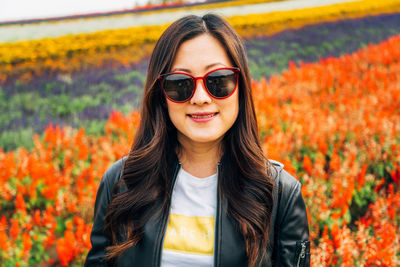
{"x": 190, "y": 234}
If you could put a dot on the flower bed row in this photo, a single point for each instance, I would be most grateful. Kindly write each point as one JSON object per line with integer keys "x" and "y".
{"x": 69, "y": 54}
{"x": 164, "y": 7}
{"x": 270, "y": 55}
{"x": 147, "y": 8}
{"x": 213, "y": 4}
{"x": 334, "y": 124}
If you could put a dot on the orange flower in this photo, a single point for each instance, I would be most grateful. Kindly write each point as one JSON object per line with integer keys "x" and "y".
{"x": 3, "y": 235}
{"x": 361, "y": 176}
{"x": 49, "y": 241}
{"x": 28, "y": 226}
{"x": 81, "y": 145}
{"x": 66, "y": 248}
{"x": 64, "y": 252}
{"x": 27, "y": 242}
{"x": 307, "y": 164}
{"x": 20, "y": 203}
{"x": 50, "y": 191}
{"x": 323, "y": 255}
{"x": 4, "y": 241}
{"x": 71, "y": 207}
{"x": 335, "y": 161}
{"x": 37, "y": 218}
{"x": 15, "y": 229}
{"x": 69, "y": 225}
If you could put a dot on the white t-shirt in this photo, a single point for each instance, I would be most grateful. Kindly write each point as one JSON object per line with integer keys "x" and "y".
{"x": 189, "y": 238}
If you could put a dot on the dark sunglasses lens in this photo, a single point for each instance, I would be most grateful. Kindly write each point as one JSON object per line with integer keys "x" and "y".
{"x": 221, "y": 83}
{"x": 178, "y": 87}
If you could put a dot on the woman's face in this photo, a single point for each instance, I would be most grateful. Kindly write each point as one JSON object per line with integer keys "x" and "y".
{"x": 202, "y": 119}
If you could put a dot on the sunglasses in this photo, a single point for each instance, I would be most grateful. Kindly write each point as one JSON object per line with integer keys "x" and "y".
{"x": 180, "y": 87}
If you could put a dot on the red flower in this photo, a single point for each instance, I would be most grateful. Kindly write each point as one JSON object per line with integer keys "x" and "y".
{"x": 307, "y": 165}
{"x": 27, "y": 242}
{"x": 15, "y": 229}
{"x": 20, "y": 203}
{"x": 66, "y": 248}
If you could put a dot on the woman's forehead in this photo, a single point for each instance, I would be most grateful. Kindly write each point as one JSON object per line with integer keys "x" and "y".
{"x": 200, "y": 54}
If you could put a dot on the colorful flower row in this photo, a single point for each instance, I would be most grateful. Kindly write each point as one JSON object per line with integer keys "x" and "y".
{"x": 146, "y": 8}
{"x": 205, "y": 5}
{"x": 270, "y": 55}
{"x": 68, "y": 54}
{"x": 334, "y": 124}
{"x": 166, "y": 7}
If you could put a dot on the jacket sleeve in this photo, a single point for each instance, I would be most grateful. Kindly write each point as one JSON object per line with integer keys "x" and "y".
{"x": 293, "y": 232}
{"x": 99, "y": 241}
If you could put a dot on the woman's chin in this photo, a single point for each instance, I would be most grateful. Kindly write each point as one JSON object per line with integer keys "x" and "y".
{"x": 201, "y": 138}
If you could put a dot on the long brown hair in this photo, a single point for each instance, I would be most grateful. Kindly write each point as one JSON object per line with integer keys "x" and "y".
{"x": 244, "y": 180}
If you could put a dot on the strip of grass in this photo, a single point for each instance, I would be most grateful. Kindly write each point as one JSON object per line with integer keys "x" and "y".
{"x": 84, "y": 100}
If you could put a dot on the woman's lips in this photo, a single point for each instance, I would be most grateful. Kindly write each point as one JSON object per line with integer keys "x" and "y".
{"x": 202, "y": 117}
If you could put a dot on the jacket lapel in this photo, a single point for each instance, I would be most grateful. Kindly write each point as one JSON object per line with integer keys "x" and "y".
{"x": 229, "y": 246}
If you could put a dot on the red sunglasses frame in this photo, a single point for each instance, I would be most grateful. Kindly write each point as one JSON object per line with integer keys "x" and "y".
{"x": 194, "y": 79}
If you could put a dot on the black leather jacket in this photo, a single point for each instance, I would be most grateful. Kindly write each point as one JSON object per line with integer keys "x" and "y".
{"x": 289, "y": 235}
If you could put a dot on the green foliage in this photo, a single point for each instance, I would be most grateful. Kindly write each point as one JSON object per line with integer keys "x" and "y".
{"x": 22, "y": 137}
{"x": 130, "y": 76}
{"x": 94, "y": 127}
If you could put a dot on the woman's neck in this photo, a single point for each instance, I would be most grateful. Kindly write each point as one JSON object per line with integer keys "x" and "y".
{"x": 200, "y": 159}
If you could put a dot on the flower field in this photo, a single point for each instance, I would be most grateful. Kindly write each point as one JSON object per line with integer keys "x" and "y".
{"x": 77, "y": 80}
{"x": 328, "y": 105}
{"x": 87, "y": 97}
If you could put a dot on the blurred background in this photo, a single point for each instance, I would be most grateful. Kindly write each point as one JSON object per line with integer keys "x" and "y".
{"x": 326, "y": 81}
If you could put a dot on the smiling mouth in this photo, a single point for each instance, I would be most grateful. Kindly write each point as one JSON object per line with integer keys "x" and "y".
{"x": 202, "y": 116}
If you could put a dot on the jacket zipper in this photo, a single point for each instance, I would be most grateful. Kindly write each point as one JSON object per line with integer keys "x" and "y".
{"x": 162, "y": 232}
{"x": 217, "y": 217}
{"x": 302, "y": 253}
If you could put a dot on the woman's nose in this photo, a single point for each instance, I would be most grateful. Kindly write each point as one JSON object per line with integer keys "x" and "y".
{"x": 200, "y": 94}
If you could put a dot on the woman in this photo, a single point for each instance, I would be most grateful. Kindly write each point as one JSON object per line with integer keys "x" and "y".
{"x": 196, "y": 188}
